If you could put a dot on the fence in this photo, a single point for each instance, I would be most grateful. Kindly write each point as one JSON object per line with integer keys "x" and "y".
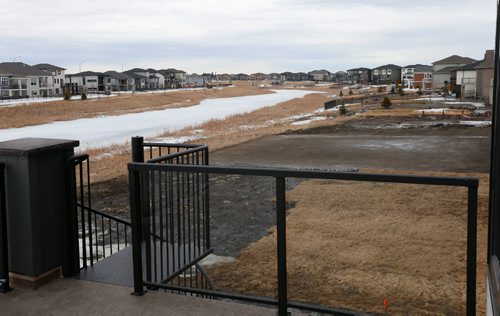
{"x": 4, "y": 251}
{"x": 175, "y": 227}
{"x": 99, "y": 234}
{"x": 142, "y": 175}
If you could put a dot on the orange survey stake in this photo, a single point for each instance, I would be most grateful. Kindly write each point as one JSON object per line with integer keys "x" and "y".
{"x": 386, "y": 304}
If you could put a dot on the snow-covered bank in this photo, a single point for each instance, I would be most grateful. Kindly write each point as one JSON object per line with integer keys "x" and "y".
{"x": 108, "y": 130}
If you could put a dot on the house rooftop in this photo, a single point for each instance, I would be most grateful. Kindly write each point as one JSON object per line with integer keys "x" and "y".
{"x": 357, "y": 69}
{"x": 21, "y": 69}
{"x": 388, "y": 66}
{"x": 423, "y": 68}
{"x": 412, "y": 66}
{"x": 454, "y": 59}
{"x": 47, "y": 67}
{"x": 117, "y": 75}
{"x": 319, "y": 72}
{"x": 446, "y": 70}
{"x": 471, "y": 66}
{"x": 87, "y": 74}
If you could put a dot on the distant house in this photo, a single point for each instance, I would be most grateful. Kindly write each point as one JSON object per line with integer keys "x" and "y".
{"x": 408, "y": 75}
{"x": 466, "y": 80}
{"x": 21, "y": 80}
{"x": 173, "y": 78}
{"x": 294, "y": 76}
{"x": 194, "y": 80}
{"x": 444, "y": 70}
{"x": 141, "y": 81}
{"x": 275, "y": 77}
{"x": 359, "y": 75}
{"x": 485, "y": 74}
{"x": 224, "y": 77}
{"x": 386, "y": 74}
{"x": 121, "y": 81}
{"x": 89, "y": 81}
{"x": 58, "y": 75}
{"x": 320, "y": 75}
{"x": 422, "y": 77}
{"x": 259, "y": 76}
{"x": 340, "y": 77}
{"x": 240, "y": 77}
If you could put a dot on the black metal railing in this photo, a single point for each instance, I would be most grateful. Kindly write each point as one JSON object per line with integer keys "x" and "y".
{"x": 143, "y": 175}
{"x": 175, "y": 228}
{"x": 99, "y": 234}
{"x": 4, "y": 251}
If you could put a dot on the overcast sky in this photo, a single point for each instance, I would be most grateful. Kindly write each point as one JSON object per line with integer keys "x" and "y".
{"x": 243, "y": 35}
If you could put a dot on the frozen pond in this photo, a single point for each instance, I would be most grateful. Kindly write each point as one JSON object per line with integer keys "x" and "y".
{"x": 108, "y": 130}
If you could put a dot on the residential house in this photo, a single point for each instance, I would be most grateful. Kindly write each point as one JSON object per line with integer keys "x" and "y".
{"x": 320, "y": 75}
{"x": 445, "y": 70}
{"x": 386, "y": 74}
{"x": 259, "y": 76}
{"x": 340, "y": 77}
{"x": 294, "y": 76}
{"x": 240, "y": 76}
{"x": 275, "y": 77}
{"x": 466, "y": 81}
{"x": 150, "y": 82}
{"x": 21, "y": 80}
{"x": 89, "y": 81}
{"x": 422, "y": 77}
{"x": 173, "y": 78}
{"x": 225, "y": 77}
{"x": 141, "y": 81}
{"x": 57, "y": 73}
{"x": 156, "y": 79}
{"x": 408, "y": 75}
{"x": 194, "y": 80}
{"x": 485, "y": 74}
{"x": 359, "y": 75}
{"x": 121, "y": 81}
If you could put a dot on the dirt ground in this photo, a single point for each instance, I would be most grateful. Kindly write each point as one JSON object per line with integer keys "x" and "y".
{"x": 352, "y": 244}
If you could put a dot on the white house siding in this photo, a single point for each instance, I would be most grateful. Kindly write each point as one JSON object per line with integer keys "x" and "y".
{"x": 467, "y": 80}
{"x": 438, "y": 80}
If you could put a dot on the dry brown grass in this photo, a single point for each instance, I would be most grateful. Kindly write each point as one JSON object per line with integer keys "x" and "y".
{"x": 41, "y": 113}
{"x": 352, "y": 244}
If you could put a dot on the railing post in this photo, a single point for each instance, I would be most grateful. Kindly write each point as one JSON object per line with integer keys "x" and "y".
{"x": 136, "y": 218}
{"x": 136, "y": 214}
{"x": 4, "y": 251}
{"x": 471, "y": 248}
{"x": 281, "y": 246}
{"x": 137, "y": 149}
{"x": 207, "y": 200}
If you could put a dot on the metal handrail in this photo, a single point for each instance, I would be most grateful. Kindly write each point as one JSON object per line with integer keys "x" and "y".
{"x": 136, "y": 171}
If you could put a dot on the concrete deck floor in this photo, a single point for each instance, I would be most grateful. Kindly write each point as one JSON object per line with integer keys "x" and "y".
{"x": 77, "y": 297}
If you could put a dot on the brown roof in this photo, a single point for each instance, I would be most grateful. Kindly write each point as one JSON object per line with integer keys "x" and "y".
{"x": 454, "y": 59}
{"x": 446, "y": 70}
{"x": 19, "y": 69}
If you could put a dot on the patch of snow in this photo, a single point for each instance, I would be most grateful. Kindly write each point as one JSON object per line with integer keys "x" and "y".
{"x": 105, "y": 131}
{"x": 476, "y": 104}
{"x": 312, "y": 119}
{"x": 175, "y": 140}
{"x": 439, "y": 110}
{"x": 212, "y": 259}
{"x": 476, "y": 123}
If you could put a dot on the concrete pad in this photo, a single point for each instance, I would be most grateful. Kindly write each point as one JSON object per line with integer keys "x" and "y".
{"x": 77, "y": 297}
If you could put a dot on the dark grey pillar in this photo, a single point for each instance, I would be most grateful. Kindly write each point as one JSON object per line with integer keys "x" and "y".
{"x": 38, "y": 218}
